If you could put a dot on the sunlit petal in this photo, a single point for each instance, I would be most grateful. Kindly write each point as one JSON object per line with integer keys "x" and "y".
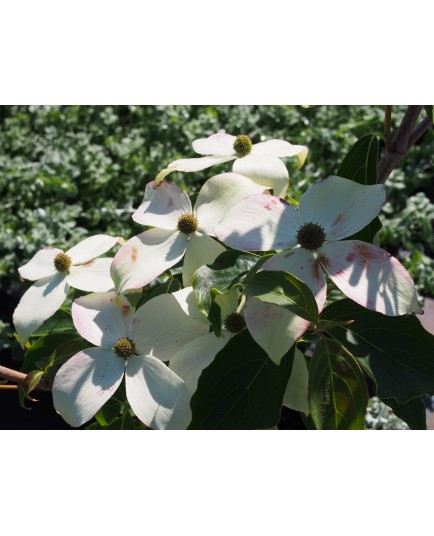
{"x": 102, "y": 318}
{"x": 219, "y": 194}
{"x": 267, "y": 171}
{"x": 162, "y": 206}
{"x": 85, "y": 383}
{"x": 342, "y": 207}
{"x": 219, "y": 144}
{"x": 160, "y": 327}
{"x": 156, "y": 394}
{"x": 94, "y": 276}
{"x": 274, "y": 328}
{"x": 40, "y": 265}
{"x": 144, "y": 257}
{"x": 370, "y": 276}
{"x": 277, "y": 148}
{"x": 190, "y": 360}
{"x": 91, "y": 247}
{"x": 303, "y": 265}
{"x": 259, "y": 223}
{"x": 38, "y": 304}
{"x": 295, "y": 396}
{"x": 201, "y": 249}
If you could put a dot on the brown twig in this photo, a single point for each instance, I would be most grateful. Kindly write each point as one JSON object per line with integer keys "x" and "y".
{"x": 405, "y": 137}
{"x": 19, "y": 378}
{"x": 388, "y": 123}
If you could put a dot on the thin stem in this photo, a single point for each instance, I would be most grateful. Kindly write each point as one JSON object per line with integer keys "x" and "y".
{"x": 396, "y": 148}
{"x": 388, "y": 123}
{"x": 419, "y": 131}
{"x": 19, "y": 378}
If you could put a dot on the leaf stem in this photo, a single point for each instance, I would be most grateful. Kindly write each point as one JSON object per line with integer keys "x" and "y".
{"x": 19, "y": 378}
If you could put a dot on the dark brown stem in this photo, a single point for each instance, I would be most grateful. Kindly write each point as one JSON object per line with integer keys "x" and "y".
{"x": 399, "y": 145}
{"x": 388, "y": 123}
{"x": 19, "y": 378}
{"x": 419, "y": 131}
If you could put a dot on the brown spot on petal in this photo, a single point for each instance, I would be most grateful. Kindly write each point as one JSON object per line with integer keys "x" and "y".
{"x": 134, "y": 254}
{"x": 364, "y": 254}
{"x": 88, "y": 264}
{"x": 339, "y": 219}
{"x": 316, "y": 270}
{"x": 324, "y": 261}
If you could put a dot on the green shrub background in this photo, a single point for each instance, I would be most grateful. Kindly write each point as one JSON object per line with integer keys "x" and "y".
{"x": 71, "y": 171}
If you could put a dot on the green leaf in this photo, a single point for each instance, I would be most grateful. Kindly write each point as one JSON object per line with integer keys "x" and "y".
{"x": 124, "y": 422}
{"x": 360, "y": 164}
{"x": 412, "y": 412}
{"x": 61, "y": 322}
{"x": 337, "y": 391}
{"x": 168, "y": 287}
{"x": 428, "y": 110}
{"x": 396, "y": 351}
{"x": 285, "y": 290}
{"x": 31, "y": 381}
{"x": 215, "y": 318}
{"x": 242, "y": 388}
{"x": 52, "y": 351}
{"x": 227, "y": 270}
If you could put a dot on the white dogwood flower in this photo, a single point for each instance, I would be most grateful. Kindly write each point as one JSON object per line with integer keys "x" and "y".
{"x": 130, "y": 344}
{"x": 311, "y": 240}
{"x": 179, "y": 229}
{"x": 258, "y": 161}
{"x": 54, "y": 272}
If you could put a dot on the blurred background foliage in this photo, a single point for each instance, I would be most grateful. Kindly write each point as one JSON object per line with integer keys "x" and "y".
{"x": 71, "y": 171}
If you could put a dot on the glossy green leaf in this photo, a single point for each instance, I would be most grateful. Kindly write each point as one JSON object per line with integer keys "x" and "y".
{"x": 285, "y": 290}
{"x": 227, "y": 270}
{"x": 360, "y": 164}
{"x": 242, "y": 388}
{"x": 412, "y": 412}
{"x": 337, "y": 391}
{"x": 396, "y": 352}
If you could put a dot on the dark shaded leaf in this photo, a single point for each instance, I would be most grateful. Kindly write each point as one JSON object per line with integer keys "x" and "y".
{"x": 242, "y": 388}
{"x": 412, "y": 412}
{"x": 337, "y": 391}
{"x": 360, "y": 163}
{"x": 396, "y": 352}
{"x": 285, "y": 290}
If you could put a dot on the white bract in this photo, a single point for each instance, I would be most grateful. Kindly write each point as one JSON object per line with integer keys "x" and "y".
{"x": 190, "y": 360}
{"x": 54, "y": 272}
{"x": 130, "y": 344}
{"x": 179, "y": 229}
{"x": 260, "y": 161}
{"x": 329, "y": 211}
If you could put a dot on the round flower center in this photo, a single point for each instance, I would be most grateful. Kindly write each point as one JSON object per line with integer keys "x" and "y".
{"x": 62, "y": 262}
{"x": 242, "y": 145}
{"x": 311, "y": 236}
{"x": 124, "y": 347}
{"x": 187, "y": 223}
{"x": 234, "y": 323}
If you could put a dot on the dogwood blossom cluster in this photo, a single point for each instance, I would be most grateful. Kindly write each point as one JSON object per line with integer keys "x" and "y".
{"x": 160, "y": 349}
